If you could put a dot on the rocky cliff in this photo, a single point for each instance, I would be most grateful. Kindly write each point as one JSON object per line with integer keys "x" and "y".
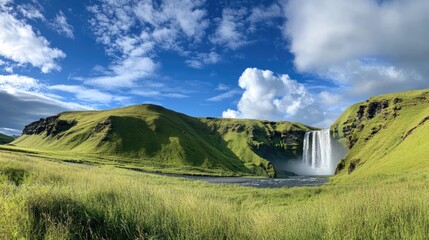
{"x": 51, "y": 126}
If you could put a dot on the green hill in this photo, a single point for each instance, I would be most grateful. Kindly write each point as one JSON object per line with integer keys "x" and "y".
{"x": 5, "y": 139}
{"x": 151, "y": 137}
{"x": 387, "y": 134}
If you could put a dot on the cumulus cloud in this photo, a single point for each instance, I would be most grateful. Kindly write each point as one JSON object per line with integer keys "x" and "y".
{"x": 362, "y": 79}
{"x": 21, "y": 44}
{"x": 61, "y": 25}
{"x": 362, "y": 47}
{"x": 269, "y": 96}
{"x": 326, "y": 32}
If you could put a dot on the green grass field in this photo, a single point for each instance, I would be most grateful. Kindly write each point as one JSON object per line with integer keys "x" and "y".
{"x": 43, "y": 199}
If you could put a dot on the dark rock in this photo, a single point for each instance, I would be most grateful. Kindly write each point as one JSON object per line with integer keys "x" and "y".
{"x": 361, "y": 111}
{"x": 103, "y": 125}
{"x": 53, "y": 126}
{"x": 340, "y": 166}
{"x": 397, "y": 100}
{"x": 375, "y": 108}
{"x": 353, "y": 165}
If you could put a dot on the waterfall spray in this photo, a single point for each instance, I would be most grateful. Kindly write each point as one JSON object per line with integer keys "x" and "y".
{"x": 317, "y": 150}
{"x": 320, "y": 154}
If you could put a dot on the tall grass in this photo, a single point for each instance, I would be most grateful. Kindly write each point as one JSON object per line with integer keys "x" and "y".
{"x": 40, "y": 199}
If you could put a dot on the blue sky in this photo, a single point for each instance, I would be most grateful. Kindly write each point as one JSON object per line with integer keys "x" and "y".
{"x": 277, "y": 60}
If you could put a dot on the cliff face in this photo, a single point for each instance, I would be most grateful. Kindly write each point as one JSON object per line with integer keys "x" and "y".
{"x": 349, "y": 128}
{"x": 52, "y": 126}
{"x": 377, "y": 128}
{"x": 266, "y": 142}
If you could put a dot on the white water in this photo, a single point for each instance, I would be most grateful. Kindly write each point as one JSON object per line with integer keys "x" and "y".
{"x": 320, "y": 154}
{"x": 317, "y": 151}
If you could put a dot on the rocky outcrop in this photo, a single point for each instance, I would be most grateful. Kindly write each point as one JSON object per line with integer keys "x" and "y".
{"x": 353, "y": 164}
{"x": 106, "y": 124}
{"x": 365, "y": 112}
{"x": 52, "y": 126}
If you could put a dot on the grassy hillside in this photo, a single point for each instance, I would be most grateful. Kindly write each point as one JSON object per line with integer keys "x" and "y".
{"x": 154, "y": 138}
{"x": 258, "y": 141}
{"x": 387, "y": 134}
{"x": 5, "y": 139}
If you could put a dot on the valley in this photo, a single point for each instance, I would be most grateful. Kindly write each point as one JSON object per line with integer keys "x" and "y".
{"x": 70, "y": 177}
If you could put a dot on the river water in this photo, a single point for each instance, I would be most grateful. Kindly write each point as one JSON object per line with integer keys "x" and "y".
{"x": 293, "y": 181}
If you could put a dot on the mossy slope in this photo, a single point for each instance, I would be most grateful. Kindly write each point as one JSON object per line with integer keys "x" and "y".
{"x": 386, "y": 134}
{"x": 5, "y": 139}
{"x": 143, "y": 134}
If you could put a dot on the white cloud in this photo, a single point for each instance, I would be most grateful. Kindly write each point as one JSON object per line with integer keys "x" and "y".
{"x": 222, "y": 87}
{"x": 362, "y": 47}
{"x": 30, "y": 12}
{"x": 264, "y": 15}
{"x": 328, "y": 32}
{"x": 268, "y": 96}
{"x": 19, "y": 108}
{"x": 157, "y": 94}
{"x": 18, "y": 82}
{"x": 231, "y": 29}
{"x": 130, "y": 30}
{"x": 225, "y": 95}
{"x": 202, "y": 59}
{"x": 185, "y": 16}
{"x": 19, "y": 43}
{"x": 362, "y": 79}
{"x": 10, "y": 131}
{"x": 85, "y": 94}
{"x": 330, "y": 99}
{"x": 61, "y": 25}
{"x": 23, "y": 100}
{"x": 124, "y": 73}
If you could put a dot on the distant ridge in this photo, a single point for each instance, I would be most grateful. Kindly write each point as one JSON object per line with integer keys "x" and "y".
{"x": 5, "y": 139}
{"x": 151, "y": 136}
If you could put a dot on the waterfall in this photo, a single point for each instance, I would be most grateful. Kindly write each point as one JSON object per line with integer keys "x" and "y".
{"x": 317, "y": 151}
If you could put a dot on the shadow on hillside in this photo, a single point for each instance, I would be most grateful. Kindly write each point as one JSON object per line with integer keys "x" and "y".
{"x": 176, "y": 139}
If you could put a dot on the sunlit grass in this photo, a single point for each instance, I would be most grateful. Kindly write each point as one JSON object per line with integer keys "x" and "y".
{"x": 53, "y": 200}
